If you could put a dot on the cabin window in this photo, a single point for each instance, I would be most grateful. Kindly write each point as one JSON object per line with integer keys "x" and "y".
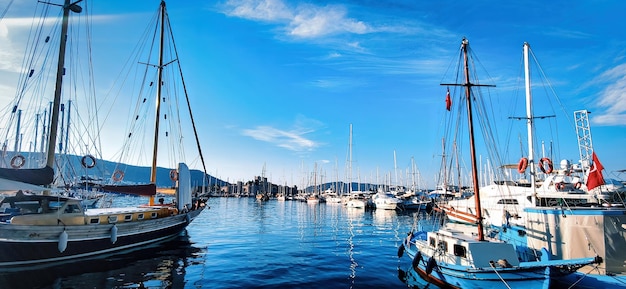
{"x": 153, "y": 215}
{"x": 72, "y": 208}
{"x": 459, "y": 251}
{"x": 94, "y": 221}
{"x": 140, "y": 216}
{"x": 128, "y": 218}
{"x": 431, "y": 241}
{"x": 443, "y": 245}
{"x": 507, "y": 202}
{"x": 112, "y": 219}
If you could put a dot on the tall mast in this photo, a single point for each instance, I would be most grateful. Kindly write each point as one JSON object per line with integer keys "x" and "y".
{"x": 468, "y": 98}
{"x": 529, "y": 123}
{"x": 158, "y": 103}
{"x": 67, "y": 6}
{"x": 350, "y": 162}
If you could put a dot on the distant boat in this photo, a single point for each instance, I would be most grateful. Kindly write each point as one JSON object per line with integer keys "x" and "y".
{"x": 40, "y": 228}
{"x": 451, "y": 258}
{"x": 356, "y": 199}
{"x": 313, "y": 199}
{"x": 386, "y": 201}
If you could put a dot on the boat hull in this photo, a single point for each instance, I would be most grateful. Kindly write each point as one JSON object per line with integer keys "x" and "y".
{"x": 454, "y": 276}
{"x": 27, "y": 244}
{"x": 575, "y": 233}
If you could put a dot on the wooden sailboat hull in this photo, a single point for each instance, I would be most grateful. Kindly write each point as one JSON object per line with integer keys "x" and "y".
{"x": 28, "y": 244}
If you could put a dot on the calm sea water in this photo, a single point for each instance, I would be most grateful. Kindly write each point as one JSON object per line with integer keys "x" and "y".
{"x": 245, "y": 243}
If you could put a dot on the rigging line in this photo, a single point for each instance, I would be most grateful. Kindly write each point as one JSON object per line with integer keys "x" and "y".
{"x": 193, "y": 123}
{"x": 562, "y": 106}
{"x": 595, "y": 267}
{"x": 496, "y": 271}
{"x": 5, "y": 10}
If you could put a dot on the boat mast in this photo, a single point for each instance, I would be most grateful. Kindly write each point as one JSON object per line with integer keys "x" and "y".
{"x": 468, "y": 98}
{"x": 530, "y": 124}
{"x": 52, "y": 139}
{"x": 158, "y": 103}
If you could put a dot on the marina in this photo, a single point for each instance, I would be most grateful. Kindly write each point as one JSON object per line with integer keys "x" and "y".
{"x": 113, "y": 190}
{"x": 245, "y": 243}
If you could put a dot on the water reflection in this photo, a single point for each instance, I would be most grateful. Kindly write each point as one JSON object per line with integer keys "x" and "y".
{"x": 157, "y": 266}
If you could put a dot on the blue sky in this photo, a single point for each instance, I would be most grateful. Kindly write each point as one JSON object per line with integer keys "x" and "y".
{"x": 276, "y": 84}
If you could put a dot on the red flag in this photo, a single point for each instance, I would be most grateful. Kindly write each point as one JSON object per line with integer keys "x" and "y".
{"x": 595, "y": 178}
{"x": 448, "y": 100}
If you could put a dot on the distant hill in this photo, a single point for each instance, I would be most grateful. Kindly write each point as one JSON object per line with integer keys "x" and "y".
{"x": 71, "y": 166}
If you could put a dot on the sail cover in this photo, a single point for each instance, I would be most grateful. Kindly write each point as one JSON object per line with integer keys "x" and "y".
{"x": 40, "y": 176}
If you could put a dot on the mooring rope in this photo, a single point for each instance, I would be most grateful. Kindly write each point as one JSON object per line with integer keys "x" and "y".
{"x": 501, "y": 279}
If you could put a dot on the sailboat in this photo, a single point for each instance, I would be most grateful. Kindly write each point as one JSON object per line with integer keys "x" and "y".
{"x": 554, "y": 209}
{"x": 459, "y": 258}
{"x": 46, "y": 228}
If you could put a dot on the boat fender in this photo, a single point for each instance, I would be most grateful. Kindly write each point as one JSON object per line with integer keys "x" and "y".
{"x": 430, "y": 265}
{"x": 187, "y": 219}
{"x": 400, "y": 250}
{"x": 416, "y": 260}
{"x": 542, "y": 165}
{"x": 113, "y": 234}
{"x": 523, "y": 164}
{"x": 17, "y": 161}
{"x": 578, "y": 185}
{"x": 63, "y": 241}
{"x": 88, "y": 161}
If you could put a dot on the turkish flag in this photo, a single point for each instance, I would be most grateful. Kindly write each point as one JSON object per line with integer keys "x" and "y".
{"x": 448, "y": 100}
{"x": 595, "y": 173}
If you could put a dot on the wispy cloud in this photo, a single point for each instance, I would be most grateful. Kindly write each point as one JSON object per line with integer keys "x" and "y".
{"x": 302, "y": 21}
{"x": 613, "y": 97}
{"x": 295, "y": 139}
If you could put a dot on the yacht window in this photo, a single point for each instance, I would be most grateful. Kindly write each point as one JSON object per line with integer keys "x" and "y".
{"x": 112, "y": 219}
{"x": 432, "y": 242}
{"x": 94, "y": 221}
{"x": 140, "y": 217}
{"x": 508, "y": 201}
{"x": 153, "y": 215}
{"x": 128, "y": 218}
{"x": 72, "y": 208}
{"x": 460, "y": 251}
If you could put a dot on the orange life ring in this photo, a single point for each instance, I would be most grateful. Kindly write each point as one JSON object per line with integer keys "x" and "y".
{"x": 17, "y": 161}
{"x": 90, "y": 164}
{"x": 543, "y": 168}
{"x": 523, "y": 164}
{"x": 118, "y": 175}
{"x": 174, "y": 175}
